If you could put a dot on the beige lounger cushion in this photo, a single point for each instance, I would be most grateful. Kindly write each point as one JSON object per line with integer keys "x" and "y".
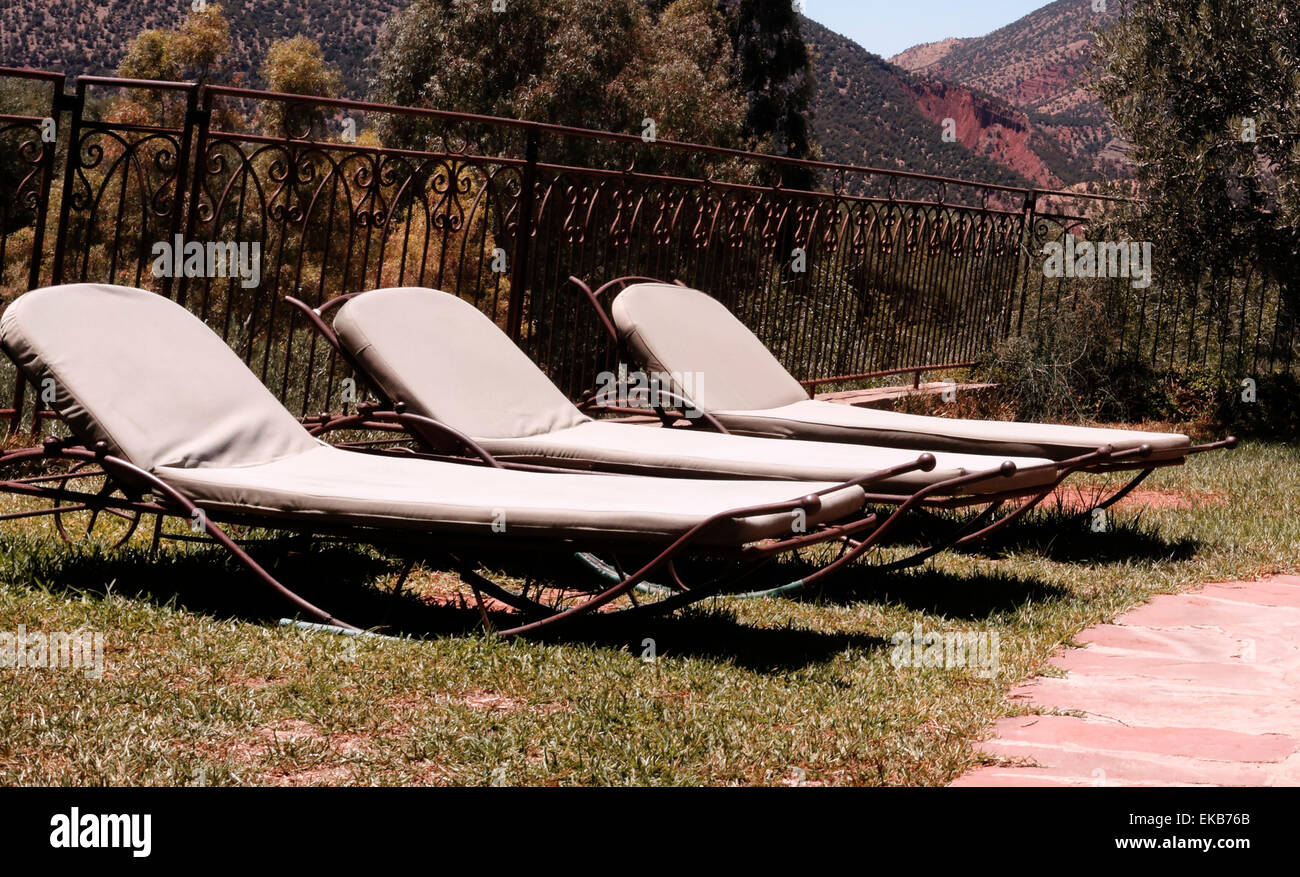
{"x": 345, "y": 487}
{"x": 831, "y": 422}
{"x": 687, "y": 334}
{"x": 143, "y": 374}
{"x": 678, "y": 330}
{"x": 446, "y": 359}
{"x": 645, "y": 449}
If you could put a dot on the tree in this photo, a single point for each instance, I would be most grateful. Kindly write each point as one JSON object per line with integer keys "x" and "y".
{"x": 602, "y": 64}
{"x": 192, "y": 51}
{"x": 775, "y": 75}
{"x": 682, "y": 76}
{"x": 1208, "y": 92}
{"x": 296, "y": 65}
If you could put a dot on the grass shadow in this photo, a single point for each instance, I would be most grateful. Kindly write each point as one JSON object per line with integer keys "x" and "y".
{"x": 969, "y": 597}
{"x": 339, "y": 578}
{"x": 1066, "y": 537}
{"x": 713, "y": 632}
{"x": 206, "y": 581}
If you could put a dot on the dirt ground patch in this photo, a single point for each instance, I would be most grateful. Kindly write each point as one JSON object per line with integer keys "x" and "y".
{"x": 1075, "y": 499}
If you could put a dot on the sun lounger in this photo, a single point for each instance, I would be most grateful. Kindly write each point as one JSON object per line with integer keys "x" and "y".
{"x": 678, "y": 331}
{"x": 449, "y": 371}
{"x": 181, "y": 428}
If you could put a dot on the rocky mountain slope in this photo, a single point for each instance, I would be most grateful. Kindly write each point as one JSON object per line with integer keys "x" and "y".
{"x": 1038, "y": 64}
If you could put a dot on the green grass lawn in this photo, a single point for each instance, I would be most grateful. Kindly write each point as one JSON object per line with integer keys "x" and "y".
{"x": 202, "y": 686}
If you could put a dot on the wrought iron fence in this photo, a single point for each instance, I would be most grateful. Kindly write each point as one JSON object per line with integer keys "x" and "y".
{"x": 866, "y": 271}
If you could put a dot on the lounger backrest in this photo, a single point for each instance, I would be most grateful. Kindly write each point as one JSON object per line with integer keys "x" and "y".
{"x": 694, "y": 338}
{"x": 445, "y": 359}
{"x": 141, "y": 373}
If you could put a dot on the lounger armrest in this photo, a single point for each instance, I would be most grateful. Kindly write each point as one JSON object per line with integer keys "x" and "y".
{"x": 593, "y": 296}
{"x": 1104, "y": 454}
{"x": 923, "y": 463}
{"x": 686, "y": 406}
{"x": 408, "y": 420}
{"x": 369, "y": 415}
{"x": 1005, "y": 470}
{"x": 1225, "y": 444}
{"x": 316, "y": 319}
{"x": 313, "y": 316}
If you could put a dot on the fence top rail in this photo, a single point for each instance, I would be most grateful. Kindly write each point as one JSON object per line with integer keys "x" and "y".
{"x": 96, "y": 125}
{"x": 119, "y": 82}
{"x": 29, "y": 73}
{"x": 616, "y": 137}
{"x": 24, "y": 120}
{"x": 209, "y": 91}
{"x": 222, "y": 135}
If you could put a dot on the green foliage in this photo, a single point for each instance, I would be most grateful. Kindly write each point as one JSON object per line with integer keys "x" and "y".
{"x": 296, "y": 65}
{"x": 1071, "y": 369}
{"x": 1185, "y": 82}
{"x": 585, "y": 63}
{"x": 1274, "y": 413}
{"x": 76, "y": 37}
{"x": 684, "y": 73}
{"x": 1076, "y": 368}
{"x": 1203, "y": 396}
{"x": 192, "y": 51}
{"x": 775, "y": 75}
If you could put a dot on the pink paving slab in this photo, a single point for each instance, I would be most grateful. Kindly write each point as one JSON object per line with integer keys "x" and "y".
{"x": 1201, "y": 688}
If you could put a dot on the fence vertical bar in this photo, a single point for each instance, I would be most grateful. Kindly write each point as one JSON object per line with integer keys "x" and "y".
{"x": 202, "y": 113}
{"x": 1026, "y": 241}
{"x": 523, "y": 239}
{"x": 76, "y": 104}
{"x": 180, "y": 195}
{"x": 47, "y": 172}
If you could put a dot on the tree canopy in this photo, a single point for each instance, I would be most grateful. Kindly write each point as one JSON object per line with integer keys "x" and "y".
{"x": 198, "y": 49}
{"x": 1208, "y": 93}
{"x": 296, "y": 65}
{"x": 193, "y": 50}
{"x": 584, "y": 63}
{"x": 721, "y": 72}
{"x": 775, "y": 75}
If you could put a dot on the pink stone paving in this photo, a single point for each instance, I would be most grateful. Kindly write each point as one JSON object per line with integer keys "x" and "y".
{"x": 1201, "y": 688}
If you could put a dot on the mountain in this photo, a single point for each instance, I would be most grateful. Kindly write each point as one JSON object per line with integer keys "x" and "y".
{"x": 1038, "y": 64}
{"x": 871, "y": 112}
{"x": 75, "y": 37}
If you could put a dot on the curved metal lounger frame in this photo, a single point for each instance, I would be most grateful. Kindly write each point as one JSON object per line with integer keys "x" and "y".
{"x": 144, "y": 493}
{"x": 127, "y": 475}
{"x": 935, "y": 496}
{"x": 941, "y": 495}
{"x": 1098, "y": 465}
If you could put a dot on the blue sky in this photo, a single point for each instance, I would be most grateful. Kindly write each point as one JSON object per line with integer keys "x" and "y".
{"x": 886, "y": 27}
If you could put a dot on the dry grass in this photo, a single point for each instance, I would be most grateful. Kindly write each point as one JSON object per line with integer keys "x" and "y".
{"x": 202, "y": 685}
